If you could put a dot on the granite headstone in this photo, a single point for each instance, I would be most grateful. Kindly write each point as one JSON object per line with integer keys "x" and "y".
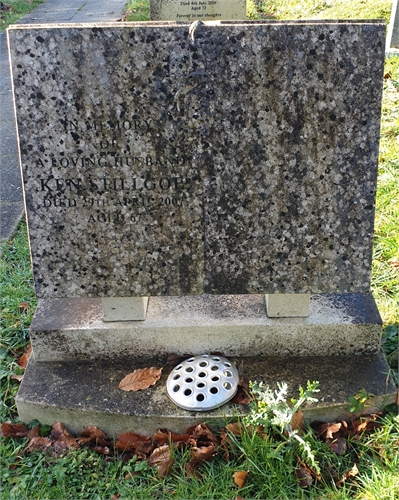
{"x": 222, "y": 158}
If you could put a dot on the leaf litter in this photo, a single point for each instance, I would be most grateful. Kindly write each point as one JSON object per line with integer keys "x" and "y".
{"x": 203, "y": 444}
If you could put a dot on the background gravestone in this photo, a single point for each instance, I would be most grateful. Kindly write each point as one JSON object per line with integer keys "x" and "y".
{"x": 238, "y": 158}
{"x": 392, "y": 44}
{"x": 203, "y": 10}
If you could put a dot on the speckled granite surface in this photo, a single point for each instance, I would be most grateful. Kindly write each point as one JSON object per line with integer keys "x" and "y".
{"x": 234, "y": 158}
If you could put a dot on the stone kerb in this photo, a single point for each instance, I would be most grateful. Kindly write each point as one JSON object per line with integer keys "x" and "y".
{"x": 239, "y": 158}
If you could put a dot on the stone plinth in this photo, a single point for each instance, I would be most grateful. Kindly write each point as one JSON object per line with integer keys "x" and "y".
{"x": 73, "y": 329}
{"x": 85, "y": 393}
{"x": 231, "y": 158}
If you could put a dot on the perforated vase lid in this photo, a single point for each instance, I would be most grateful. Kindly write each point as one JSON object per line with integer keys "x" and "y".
{"x": 202, "y": 383}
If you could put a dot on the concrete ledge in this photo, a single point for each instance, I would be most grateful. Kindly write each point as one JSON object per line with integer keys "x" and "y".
{"x": 73, "y": 329}
{"x": 86, "y": 393}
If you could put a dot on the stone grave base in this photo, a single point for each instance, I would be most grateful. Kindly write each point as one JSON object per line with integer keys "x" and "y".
{"x": 85, "y": 393}
{"x": 237, "y": 325}
{"x": 79, "y": 359}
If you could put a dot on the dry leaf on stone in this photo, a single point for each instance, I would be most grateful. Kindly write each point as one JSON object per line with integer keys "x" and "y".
{"x": 174, "y": 359}
{"x": 23, "y": 360}
{"x": 242, "y": 396}
{"x": 13, "y": 430}
{"x": 304, "y": 476}
{"x": 140, "y": 379}
{"x": 240, "y": 478}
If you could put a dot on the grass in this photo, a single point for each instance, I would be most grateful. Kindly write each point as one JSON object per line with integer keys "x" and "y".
{"x": 85, "y": 474}
{"x": 319, "y": 9}
{"x": 385, "y": 277}
{"x": 16, "y": 288}
{"x": 14, "y": 10}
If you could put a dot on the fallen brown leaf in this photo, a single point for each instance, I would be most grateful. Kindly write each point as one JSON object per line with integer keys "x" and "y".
{"x": 23, "y": 307}
{"x": 297, "y": 422}
{"x": 161, "y": 458}
{"x": 202, "y": 434}
{"x": 327, "y": 430}
{"x": 17, "y": 377}
{"x": 62, "y": 439}
{"x": 304, "y": 476}
{"x": 236, "y": 428}
{"x": 23, "y": 360}
{"x": 38, "y": 443}
{"x": 65, "y": 442}
{"x": 163, "y": 436}
{"x": 365, "y": 424}
{"x": 240, "y": 478}
{"x": 129, "y": 441}
{"x": 131, "y": 475}
{"x": 201, "y": 455}
{"x": 102, "y": 450}
{"x": 241, "y": 397}
{"x": 35, "y": 432}
{"x": 140, "y": 379}
{"x": 93, "y": 434}
{"x": 351, "y": 473}
{"x": 58, "y": 430}
{"x": 5, "y": 7}
{"x": 13, "y": 430}
{"x": 338, "y": 446}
